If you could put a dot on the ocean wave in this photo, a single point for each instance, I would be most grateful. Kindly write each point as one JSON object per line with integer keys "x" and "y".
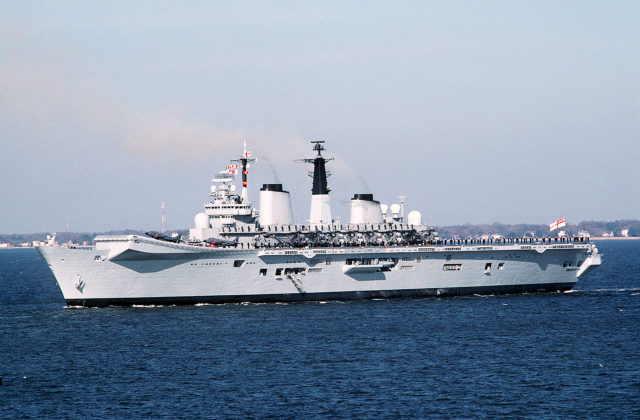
{"x": 634, "y": 289}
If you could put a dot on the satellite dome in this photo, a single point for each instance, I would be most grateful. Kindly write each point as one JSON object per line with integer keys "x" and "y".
{"x": 384, "y": 208}
{"x": 414, "y": 218}
{"x": 202, "y": 221}
{"x": 395, "y": 208}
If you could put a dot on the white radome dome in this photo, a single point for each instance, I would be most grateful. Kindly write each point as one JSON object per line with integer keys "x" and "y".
{"x": 414, "y": 218}
{"x": 384, "y": 208}
{"x": 202, "y": 221}
{"x": 395, "y": 208}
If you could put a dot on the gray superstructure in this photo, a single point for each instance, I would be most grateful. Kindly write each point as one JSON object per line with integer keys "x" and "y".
{"x": 235, "y": 253}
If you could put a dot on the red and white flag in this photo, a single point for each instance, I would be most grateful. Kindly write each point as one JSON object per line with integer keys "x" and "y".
{"x": 558, "y": 224}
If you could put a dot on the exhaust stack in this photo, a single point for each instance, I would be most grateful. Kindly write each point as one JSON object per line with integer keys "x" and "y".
{"x": 365, "y": 210}
{"x": 275, "y": 206}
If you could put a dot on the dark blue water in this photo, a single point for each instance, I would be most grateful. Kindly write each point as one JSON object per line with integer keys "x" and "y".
{"x": 563, "y": 355}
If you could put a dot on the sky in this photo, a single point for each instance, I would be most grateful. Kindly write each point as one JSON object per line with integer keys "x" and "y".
{"x": 477, "y": 112}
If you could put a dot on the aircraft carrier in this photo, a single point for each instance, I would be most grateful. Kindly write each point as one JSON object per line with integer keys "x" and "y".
{"x": 235, "y": 253}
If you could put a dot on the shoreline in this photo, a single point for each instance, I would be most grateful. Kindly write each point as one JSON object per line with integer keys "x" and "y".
{"x": 614, "y": 238}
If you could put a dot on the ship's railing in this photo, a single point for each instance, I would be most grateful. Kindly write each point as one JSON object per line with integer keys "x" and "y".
{"x": 514, "y": 241}
{"x": 336, "y": 227}
{"x": 455, "y": 244}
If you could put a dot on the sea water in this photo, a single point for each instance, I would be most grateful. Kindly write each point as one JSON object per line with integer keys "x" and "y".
{"x": 559, "y": 355}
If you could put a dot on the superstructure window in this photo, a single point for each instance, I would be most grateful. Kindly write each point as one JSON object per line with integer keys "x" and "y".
{"x": 238, "y": 263}
{"x": 487, "y": 267}
{"x": 263, "y": 271}
{"x": 278, "y": 271}
{"x": 500, "y": 266}
{"x": 452, "y": 267}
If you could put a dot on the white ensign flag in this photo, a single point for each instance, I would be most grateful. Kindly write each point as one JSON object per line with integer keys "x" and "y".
{"x": 558, "y": 224}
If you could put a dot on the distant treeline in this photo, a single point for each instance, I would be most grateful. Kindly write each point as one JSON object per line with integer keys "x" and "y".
{"x": 595, "y": 228}
{"x": 61, "y": 237}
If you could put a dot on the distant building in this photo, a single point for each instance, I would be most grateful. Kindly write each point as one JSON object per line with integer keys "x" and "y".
{"x": 624, "y": 233}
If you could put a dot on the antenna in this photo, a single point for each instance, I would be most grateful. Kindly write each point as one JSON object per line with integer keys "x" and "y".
{"x": 244, "y": 161}
{"x": 164, "y": 219}
{"x": 318, "y": 146}
{"x": 402, "y": 197}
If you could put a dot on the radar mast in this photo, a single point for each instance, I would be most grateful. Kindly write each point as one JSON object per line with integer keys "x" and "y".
{"x": 320, "y": 209}
{"x": 244, "y": 161}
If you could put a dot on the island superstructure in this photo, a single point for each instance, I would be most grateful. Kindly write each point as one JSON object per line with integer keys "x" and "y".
{"x": 236, "y": 253}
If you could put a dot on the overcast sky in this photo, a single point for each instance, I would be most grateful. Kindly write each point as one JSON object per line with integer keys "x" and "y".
{"x": 478, "y": 112}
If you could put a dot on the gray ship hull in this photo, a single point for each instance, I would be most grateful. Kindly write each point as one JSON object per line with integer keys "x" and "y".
{"x": 320, "y": 297}
{"x": 134, "y": 270}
